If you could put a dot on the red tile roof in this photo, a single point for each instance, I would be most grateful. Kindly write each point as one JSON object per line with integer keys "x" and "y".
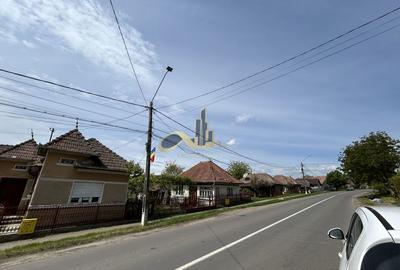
{"x": 24, "y": 151}
{"x": 72, "y": 141}
{"x": 109, "y": 158}
{"x": 258, "y": 179}
{"x": 4, "y": 147}
{"x": 208, "y": 172}
{"x": 280, "y": 180}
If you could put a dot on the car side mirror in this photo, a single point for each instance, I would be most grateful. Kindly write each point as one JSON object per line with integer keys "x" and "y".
{"x": 336, "y": 233}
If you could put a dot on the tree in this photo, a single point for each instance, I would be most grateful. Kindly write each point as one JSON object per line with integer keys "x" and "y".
{"x": 374, "y": 158}
{"x": 172, "y": 169}
{"x": 238, "y": 168}
{"x": 395, "y": 185}
{"x": 136, "y": 179}
{"x": 336, "y": 179}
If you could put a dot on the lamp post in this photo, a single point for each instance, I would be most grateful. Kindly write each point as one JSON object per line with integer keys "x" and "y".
{"x": 145, "y": 199}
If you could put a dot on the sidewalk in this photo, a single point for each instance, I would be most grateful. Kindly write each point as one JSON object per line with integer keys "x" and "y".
{"x": 58, "y": 236}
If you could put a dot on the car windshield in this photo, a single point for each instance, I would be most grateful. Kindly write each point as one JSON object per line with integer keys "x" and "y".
{"x": 382, "y": 257}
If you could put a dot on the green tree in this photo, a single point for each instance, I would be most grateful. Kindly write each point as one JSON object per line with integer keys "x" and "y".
{"x": 374, "y": 158}
{"x": 172, "y": 169}
{"x": 238, "y": 168}
{"x": 395, "y": 185}
{"x": 336, "y": 179}
{"x": 136, "y": 179}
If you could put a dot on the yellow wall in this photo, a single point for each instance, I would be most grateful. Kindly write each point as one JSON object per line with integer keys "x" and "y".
{"x": 114, "y": 193}
{"x": 51, "y": 192}
{"x": 55, "y": 181}
{"x": 51, "y": 169}
{"x": 6, "y": 169}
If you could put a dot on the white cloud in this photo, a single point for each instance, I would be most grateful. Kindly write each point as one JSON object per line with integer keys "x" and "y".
{"x": 232, "y": 141}
{"x": 83, "y": 27}
{"x": 29, "y": 44}
{"x": 242, "y": 118}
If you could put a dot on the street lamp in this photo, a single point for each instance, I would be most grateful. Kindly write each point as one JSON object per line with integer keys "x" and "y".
{"x": 145, "y": 202}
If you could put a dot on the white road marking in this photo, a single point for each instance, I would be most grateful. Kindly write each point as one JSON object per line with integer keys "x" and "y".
{"x": 208, "y": 255}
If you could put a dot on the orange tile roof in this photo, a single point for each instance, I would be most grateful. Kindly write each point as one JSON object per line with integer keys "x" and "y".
{"x": 72, "y": 141}
{"x": 108, "y": 157}
{"x": 24, "y": 151}
{"x": 5, "y": 147}
{"x": 207, "y": 172}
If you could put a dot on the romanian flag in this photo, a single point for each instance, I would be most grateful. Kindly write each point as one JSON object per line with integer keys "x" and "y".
{"x": 153, "y": 155}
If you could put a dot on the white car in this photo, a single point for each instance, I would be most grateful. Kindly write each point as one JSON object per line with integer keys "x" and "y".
{"x": 372, "y": 241}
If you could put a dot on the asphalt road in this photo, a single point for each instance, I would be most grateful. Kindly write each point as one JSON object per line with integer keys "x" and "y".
{"x": 288, "y": 235}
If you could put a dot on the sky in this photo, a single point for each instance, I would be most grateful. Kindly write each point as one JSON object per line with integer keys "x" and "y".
{"x": 307, "y": 115}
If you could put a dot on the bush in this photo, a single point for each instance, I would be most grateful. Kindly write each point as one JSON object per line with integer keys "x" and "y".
{"x": 381, "y": 189}
{"x": 395, "y": 185}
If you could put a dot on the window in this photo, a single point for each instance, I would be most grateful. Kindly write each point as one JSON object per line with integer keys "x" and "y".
{"x": 20, "y": 167}
{"x": 383, "y": 256}
{"x": 206, "y": 192}
{"x": 353, "y": 234}
{"x": 179, "y": 190}
{"x": 230, "y": 191}
{"x": 66, "y": 161}
{"x": 85, "y": 192}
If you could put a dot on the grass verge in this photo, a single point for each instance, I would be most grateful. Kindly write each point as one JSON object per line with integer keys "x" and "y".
{"x": 96, "y": 236}
{"x": 384, "y": 200}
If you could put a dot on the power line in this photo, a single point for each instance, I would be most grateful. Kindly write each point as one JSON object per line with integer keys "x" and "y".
{"x": 223, "y": 146}
{"x": 127, "y": 52}
{"x": 70, "y": 106}
{"x": 286, "y": 60}
{"x": 241, "y": 91}
{"x": 70, "y": 88}
{"x": 64, "y": 94}
{"x": 70, "y": 117}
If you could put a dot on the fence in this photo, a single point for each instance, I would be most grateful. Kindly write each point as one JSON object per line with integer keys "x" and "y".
{"x": 54, "y": 216}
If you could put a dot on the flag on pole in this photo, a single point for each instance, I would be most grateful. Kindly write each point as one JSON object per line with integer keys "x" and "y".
{"x": 153, "y": 154}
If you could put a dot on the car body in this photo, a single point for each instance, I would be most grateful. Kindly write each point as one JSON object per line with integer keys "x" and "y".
{"x": 372, "y": 240}
{"x": 350, "y": 188}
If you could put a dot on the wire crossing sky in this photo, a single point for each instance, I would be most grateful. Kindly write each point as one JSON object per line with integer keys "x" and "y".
{"x": 282, "y": 80}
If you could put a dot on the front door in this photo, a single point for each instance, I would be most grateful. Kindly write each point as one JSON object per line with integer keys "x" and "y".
{"x": 11, "y": 190}
{"x": 193, "y": 196}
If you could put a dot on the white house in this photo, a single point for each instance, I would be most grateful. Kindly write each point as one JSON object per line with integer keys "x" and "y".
{"x": 209, "y": 183}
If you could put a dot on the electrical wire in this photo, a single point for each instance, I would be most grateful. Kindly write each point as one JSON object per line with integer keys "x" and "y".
{"x": 286, "y": 60}
{"x": 127, "y": 52}
{"x": 70, "y": 88}
{"x": 70, "y": 117}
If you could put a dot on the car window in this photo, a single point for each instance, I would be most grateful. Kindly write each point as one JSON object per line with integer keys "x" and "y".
{"x": 382, "y": 257}
{"x": 353, "y": 234}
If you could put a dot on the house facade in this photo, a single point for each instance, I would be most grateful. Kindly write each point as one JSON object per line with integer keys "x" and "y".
{"x": 17, "y": 175}
{"x": 210, "y": 185}
{"x": 70, "y": 178}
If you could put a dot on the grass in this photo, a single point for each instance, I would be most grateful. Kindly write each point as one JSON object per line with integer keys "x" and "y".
{"x": 384, "y": 200}
{"x": 96, "y": 236}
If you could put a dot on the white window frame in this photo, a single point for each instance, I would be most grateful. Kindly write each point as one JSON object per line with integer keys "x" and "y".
{"x": 206, "y": 192}
{"x": 179, "y": 190}
{"x": 80, "y": 199}
{"x": 21, "y": 170}
{"x": 60, "y": 163}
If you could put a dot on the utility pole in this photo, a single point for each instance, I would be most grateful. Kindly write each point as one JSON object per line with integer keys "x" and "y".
{"x": 145, "y": 199}
{"x": 304, "y": 180}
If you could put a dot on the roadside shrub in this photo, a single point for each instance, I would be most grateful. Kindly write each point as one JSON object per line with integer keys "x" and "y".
{"x": 395, "y": 185}
{"x": 381, "y": 189}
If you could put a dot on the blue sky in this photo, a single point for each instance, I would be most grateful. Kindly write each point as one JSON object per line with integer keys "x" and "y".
{"x": 315, "y": 111}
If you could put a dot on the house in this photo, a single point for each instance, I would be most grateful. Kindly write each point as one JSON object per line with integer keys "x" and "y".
{"x": 210, "y": 185}
{"x": 74, "y": 179}
{"x": 304, "y": 185}
{"x": 17, "y": 176}
{"x": 315, "y": 184}
{"x": 285, "y": 184}
{"x": 258, "y": 184}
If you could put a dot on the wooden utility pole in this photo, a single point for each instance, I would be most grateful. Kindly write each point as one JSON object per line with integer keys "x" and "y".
{"x": 145, "y": 199}
{"x": 146, "y": 184}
